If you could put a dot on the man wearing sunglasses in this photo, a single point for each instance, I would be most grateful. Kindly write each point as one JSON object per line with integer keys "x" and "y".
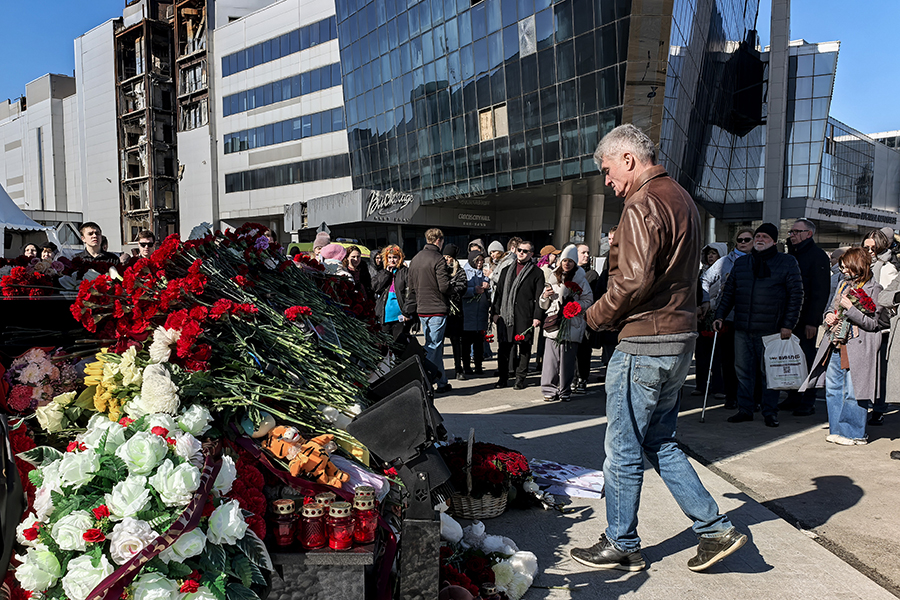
{"x": 146, "y": 243}
{"x": 713, "y": 282}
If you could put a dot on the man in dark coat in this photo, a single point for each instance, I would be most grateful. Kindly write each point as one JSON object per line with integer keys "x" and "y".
{"x": 766, "y": 292}
{"x": 428, "y": 296}
{"x": 517, "y": 312}
{"x": 815, "y": 269}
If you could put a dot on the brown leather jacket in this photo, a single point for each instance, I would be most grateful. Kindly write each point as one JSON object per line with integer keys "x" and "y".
{"x": 653, "y": 262}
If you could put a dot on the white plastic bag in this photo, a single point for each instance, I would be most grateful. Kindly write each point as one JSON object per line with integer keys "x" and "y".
{"x": 785, "y": 363}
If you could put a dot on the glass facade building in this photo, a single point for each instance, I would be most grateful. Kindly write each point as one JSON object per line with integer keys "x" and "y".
{"x": 449, "y": 98}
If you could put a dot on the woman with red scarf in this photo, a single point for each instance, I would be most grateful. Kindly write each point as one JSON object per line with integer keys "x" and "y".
{"x": 847, "y": 363}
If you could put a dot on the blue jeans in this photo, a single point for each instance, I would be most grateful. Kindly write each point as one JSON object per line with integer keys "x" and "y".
{"x": 434, "y": 327}
{"x": 748, "y": 356}
{"x": 845, "y": 416}
{"x": 642, "y": 402}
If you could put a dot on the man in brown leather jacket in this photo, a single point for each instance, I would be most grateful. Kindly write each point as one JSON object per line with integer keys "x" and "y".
{"x": 652, "y": 300}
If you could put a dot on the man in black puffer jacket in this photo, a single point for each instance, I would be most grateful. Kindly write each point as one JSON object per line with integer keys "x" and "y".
{"x": 765, "y": 290}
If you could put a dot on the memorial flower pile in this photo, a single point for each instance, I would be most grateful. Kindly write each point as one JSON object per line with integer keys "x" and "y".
{"x": 137, "y": 493}
{"x": 35, "y": 378}
{"x": 33, "y": 278}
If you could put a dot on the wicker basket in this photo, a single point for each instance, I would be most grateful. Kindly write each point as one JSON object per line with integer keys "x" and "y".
{"x": 487, "y": 506}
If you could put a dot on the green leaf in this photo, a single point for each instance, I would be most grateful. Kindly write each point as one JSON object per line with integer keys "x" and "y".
{"x": 178, "y": 570}
{"x": 157, "y": 564}
{"x": 40, "y": 456}
{"x": 257, "y": 576}
{"x": 86, "y": 398}
{"x": 241, "y": 565}
{"x": 215, "y": 584}
{"x": 36, "y": 478}
{"x": 216, "y": 555}
{"x": 255, "y": 550}
{"x": 240, "y": 592}
{"x": 135, "y": 427}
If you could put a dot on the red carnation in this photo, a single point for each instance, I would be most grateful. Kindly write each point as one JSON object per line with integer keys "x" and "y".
{"x": 576, "y": 289}
{"x": 572, "y": 310}
{"x": 171, "y": 441}
{"x": 160, "y": 431}
{"x": 100, "y": 512}
{"x": 93, "y": 535}
{"x": 72, "y": 447}
{"x": 189, "y": 587}
{"x": 295, "y": 312}
{"x": 519, "y": 337}
{"x": 126, "y": 421}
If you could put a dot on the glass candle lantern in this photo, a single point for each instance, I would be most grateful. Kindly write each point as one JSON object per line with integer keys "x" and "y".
{"x": 365, "y": 520}
{"x": 311, "y": 532}
{"x": 285, "y": 523}
{"x": 339, "y": 525}
{"x": 364, "y": 492}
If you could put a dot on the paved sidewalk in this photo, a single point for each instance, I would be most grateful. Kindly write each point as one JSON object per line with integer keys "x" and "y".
{"x": 778, "y": 561}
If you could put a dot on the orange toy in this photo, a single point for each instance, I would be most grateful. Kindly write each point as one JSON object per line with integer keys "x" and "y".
{"x": 305, "y": 456}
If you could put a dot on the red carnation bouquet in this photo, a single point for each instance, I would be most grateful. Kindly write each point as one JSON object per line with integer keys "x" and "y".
{"x": 520, "y": 337}
{"x": 570, "y": 308}
{"x": 494, "y": 468}
{"x": 843, "y": 330}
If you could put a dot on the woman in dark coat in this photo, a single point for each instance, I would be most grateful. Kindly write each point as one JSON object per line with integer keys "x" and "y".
{"x": 389, "y": 285}
{"x": 360, "y": 272}
{"x": 847, "y": 363}
{"x": 458, "y": 284}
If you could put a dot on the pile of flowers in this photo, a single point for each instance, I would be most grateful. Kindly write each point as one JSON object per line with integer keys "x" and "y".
{"x": 493, "y": 468}
{"x": 138, "y": 492}
{"x": 35, "y": 378}
{"x": 471, "y": 559}
{"x": 33, "y": 278}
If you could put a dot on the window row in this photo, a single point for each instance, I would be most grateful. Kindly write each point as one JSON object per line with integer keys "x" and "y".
{"x": 284, "y": 89}
{"x": 273, "y": 49}
{"x": 306, "y": 126}
{"x": 327, "y": 167}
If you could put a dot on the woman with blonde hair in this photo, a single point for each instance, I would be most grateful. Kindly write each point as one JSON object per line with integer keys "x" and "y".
{"x": 847, "y": 364}
{"x": 389, "y": 285}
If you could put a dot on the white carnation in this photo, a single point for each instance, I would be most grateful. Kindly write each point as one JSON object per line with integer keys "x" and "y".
{"x": 158, "y": 393}
{"x": 161, "y": 348}
{"x": 129, "y": 538}
{"x": 82, "y": 576}
{"x": 131, "y": 373}
{"x": 520, "y": 583}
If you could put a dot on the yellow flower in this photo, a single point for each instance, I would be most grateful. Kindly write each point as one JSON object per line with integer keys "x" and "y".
{"x": 102, "y": 397}
{"x": 115, "y": 409}
{"x": 93, "y": 373}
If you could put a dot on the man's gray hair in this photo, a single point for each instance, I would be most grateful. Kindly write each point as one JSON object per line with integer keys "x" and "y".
{"x": 808, "y": 224}
{"x": 626, "y": 138}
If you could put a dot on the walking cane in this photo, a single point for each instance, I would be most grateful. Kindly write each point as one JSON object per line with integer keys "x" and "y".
{"x": 709, "y": 377}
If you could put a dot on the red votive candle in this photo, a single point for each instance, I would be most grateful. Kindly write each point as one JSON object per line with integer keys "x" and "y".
{"x": 285, "y": 523}
{"x": 312, "y": 527}
{"x": 365, "y": 520}
{"x": 339, "y": 525}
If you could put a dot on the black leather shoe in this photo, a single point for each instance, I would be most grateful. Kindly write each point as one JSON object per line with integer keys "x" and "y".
{"x": 462, "y": 376}
{"x": 521, "y": 385}
{"x": 442, "y": 389}
{"x": 771, "y": 421}
{"x": 712, "y": 550}
{"x": 876, "y": 419}
{"x": 501, "y": 384}
{"x": 478, "y": 371}
{"x": 740, "y": 417}
{"x": 603, "y": 555}
{"x": 730, "y": 404}
{"x": 804, "y": 412}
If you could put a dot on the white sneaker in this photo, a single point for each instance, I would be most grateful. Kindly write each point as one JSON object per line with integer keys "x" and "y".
{"x": 842, "y": 441}
{"x": 833, "y": 438}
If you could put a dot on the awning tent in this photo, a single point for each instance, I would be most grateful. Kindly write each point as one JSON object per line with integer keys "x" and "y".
{"x": 12, "y": 218}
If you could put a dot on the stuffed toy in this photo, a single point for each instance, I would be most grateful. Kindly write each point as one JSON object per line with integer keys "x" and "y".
{"x": 305, "y": 456}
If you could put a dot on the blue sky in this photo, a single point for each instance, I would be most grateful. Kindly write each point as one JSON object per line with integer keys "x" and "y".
{"x": 36, "y": 37}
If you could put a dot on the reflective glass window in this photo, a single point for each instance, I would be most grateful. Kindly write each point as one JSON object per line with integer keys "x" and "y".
{"x": 546, "y": 67}
{"x": 494, "y": 20}
{"x": 479, "y": 21}
{"x": 562, "y": 20}
{"x": 565, "y": 60}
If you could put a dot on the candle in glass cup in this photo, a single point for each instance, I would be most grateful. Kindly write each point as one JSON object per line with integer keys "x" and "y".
{"x": 339, "y": 525}
{"x": 312, "y": 533}
{"x": 365, "y": 520}
{"x": 285, "y": 523}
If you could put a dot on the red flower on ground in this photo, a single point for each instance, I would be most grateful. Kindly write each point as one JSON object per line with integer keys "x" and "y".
{"x": 295, "y": 312}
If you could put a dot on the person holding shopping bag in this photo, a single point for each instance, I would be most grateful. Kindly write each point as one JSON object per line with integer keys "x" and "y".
{"x": 847, "y": 363}
{"x": 566, "y": 296}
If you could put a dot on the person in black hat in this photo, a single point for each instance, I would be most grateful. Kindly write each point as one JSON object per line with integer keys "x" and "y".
{"x": 765, "y": 290}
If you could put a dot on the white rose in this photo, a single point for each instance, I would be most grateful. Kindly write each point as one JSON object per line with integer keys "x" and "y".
{"x": 142, "y": 452}
{"x": 226, "y": 476}
{"x": 189, "y": 448}
{"x": 68, "y": 531}
{"x": 97, "y": 427}
{"x": 43, "y": 503}
{"x": 39, "y": 569}
{"x": 188, "y": 545}
{"x": 176, "y": 485}
{"x": 128, "y": 497}
{"x": 158, "y": 393}
{"x": 163, "y": 420}
{"x": 226, "y": 524}
{"x": 27, "y": 523}
{"x": 153, "y": 586}
{"x": 50, "y": 474}
{"x": 202, "y": 593}
{"x": 162, "y": 341}
{"x": 128, "y": 538}
{"x": 82, "y": 576}
{"x": 66, "y": 399}
{"x": 195, "y": 420}
{"x": 51, "y": 417}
